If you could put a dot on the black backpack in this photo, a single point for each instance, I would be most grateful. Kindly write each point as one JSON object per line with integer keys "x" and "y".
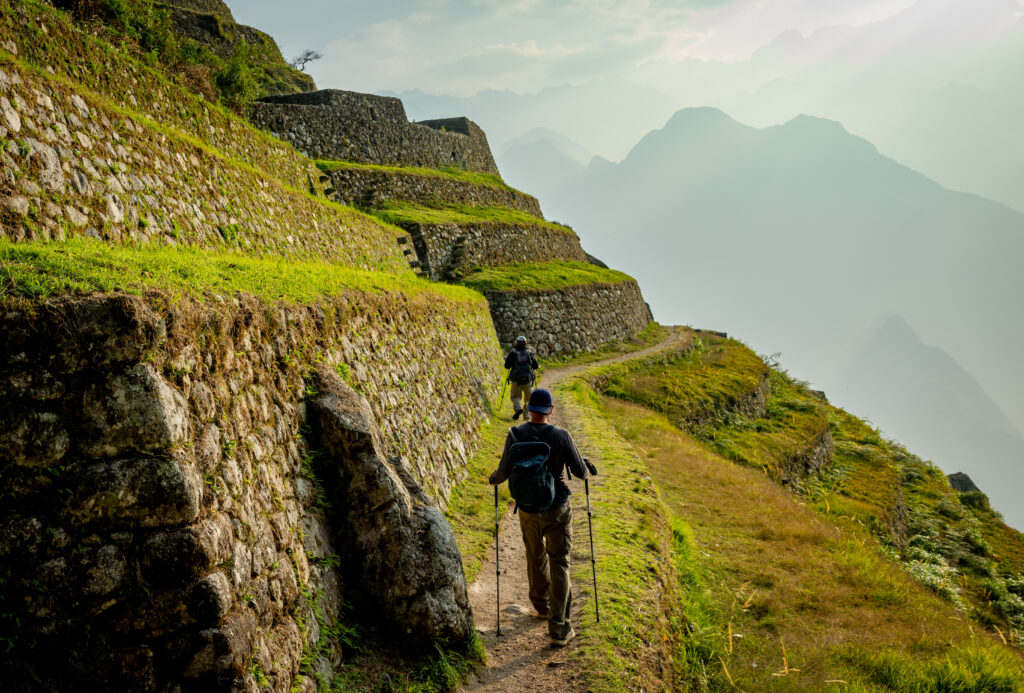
{"x": 530, "y": 479}
{"x": 522, "y": 369}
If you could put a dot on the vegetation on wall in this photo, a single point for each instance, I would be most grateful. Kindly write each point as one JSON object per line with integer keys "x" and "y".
{"x": 146, "y": 28}
{"x": 475, "y": 177}
{"x": 547, "y": 276}
{"x": 38, "y": 270}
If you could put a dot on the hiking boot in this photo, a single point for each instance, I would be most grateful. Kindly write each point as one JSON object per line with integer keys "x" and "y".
{"x": 562, "y": 642}
{"x": 517, "y": 414}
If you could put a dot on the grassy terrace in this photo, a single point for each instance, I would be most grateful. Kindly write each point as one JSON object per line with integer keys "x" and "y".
{"x": 888, "y": 499}
{"x": 367, "y": 234}
{"x": 38, "y": 270}
{"x": 399, "y": 213}
{"x": 489, "y": 179}
{"x": 780, "y": 596}
{"x": 547, "y": 276}
{"x": 700, "y": 384}
{"x": 49, "y": 38}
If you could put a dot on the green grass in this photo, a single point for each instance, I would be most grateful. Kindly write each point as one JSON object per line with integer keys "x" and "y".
{"x": 37, "y": 270}
{"x": 407, "y": 213}
{"x": 491, "y": 180}
{"x": 631, "y": 647}
{"x": 547, "y": 276}
{"x": 951, "y": 542}
{"x": 813, "y": 598}
{"x": 92, "y": 62}
{"x": 368, "y": 234}
{"x": 470, "y": 509}
{"x": 648, "y": 337}
{"x": 704, "y": 383}
{"x": 964, "y": 670}
{"x": 442, "y": 670}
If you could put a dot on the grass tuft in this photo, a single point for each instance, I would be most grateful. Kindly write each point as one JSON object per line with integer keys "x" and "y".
{"x": 547, "y": 276}
{"x": 38, "y": 270}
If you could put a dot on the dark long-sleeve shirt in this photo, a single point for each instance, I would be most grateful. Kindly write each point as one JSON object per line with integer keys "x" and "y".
{"x": 510, "y": 360}
{"x": 565, "y": 457}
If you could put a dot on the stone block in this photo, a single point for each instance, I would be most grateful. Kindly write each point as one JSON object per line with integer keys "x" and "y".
{"x": 34, "y": 439}
{"x": 134, "y": 411}
{"x": 409, "y": 560}
{"x": 136, "y": 492}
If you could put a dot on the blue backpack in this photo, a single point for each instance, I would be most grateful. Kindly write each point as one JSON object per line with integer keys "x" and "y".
{"x": 530, "y": 479}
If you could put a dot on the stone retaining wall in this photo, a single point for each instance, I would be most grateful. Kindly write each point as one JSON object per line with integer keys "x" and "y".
{"x": 71, "y": 165}
{"x": 570, "y": 320}
{"x": 369, "y": 187}
{"x": 171, "y": 521}
{"x": 54, "y": 43}
{"x": 446, "y": 250}
{"x": 349, "y": 126}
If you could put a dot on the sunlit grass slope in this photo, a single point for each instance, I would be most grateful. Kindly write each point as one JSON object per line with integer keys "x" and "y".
{"x": 782, "y": 597}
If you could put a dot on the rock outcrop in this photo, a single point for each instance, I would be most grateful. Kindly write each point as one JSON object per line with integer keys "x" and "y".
{"x": 408, "y": 562}
{"x": 167, "y": 523}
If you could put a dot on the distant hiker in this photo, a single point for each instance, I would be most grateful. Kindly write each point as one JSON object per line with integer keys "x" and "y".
{"x": 521, "y": 365}
{"x": 538, "y": 461}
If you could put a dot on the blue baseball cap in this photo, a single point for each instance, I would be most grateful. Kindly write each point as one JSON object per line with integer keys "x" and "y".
{"x": 541, "y": 401}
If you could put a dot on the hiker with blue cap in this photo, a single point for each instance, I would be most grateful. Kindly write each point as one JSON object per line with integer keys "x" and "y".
{"x": 538, "y": 461}
{"x": 521, "y": 365}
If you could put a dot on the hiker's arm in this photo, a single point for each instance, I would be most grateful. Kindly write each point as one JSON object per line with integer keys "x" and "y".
{"x": 510, "y": 360}
{"x": 501, "y": 473}
{"x": 573, "y": 460}
{"x": 533, "y": 362}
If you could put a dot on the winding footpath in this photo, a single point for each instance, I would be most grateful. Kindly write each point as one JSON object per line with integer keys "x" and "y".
{"x": 521, "y": 659}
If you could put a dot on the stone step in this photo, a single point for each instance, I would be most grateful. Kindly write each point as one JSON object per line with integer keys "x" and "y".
{"x": 445, "y": 247}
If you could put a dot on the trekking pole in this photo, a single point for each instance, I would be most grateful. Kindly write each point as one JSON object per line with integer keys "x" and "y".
{"x": 508, "y": 377}
{"x": 593, "y": 562}
{"x": 497, "y": 563}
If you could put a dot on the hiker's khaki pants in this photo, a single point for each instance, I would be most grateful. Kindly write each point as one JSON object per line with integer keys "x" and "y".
{"x": 548, "y": 540}
{"x": 520, "y": 391}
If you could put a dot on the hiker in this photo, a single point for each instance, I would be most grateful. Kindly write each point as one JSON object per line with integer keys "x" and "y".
{"x": 542, "y": 494}
{"x": 520, "y": 364}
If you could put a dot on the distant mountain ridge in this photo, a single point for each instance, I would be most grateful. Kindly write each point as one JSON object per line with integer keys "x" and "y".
{"x": 793, "y": 234}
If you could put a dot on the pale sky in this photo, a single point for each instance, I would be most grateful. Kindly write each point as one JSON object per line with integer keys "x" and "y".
{"x": 464, "y": 46}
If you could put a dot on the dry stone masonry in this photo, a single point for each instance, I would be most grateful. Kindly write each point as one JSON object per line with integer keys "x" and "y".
{"x": 446, "y": 250}
{"x": 35, "y": 33}
{"x": 570, "y": 320}
{"x": 73, "y": 167}
{"x": 171, "y": 472}
{"x": 370, "y": 187}
{"x": 349, "y": 126}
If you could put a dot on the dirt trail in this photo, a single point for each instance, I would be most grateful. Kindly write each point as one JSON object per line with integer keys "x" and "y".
{"x": 521, "y": 658}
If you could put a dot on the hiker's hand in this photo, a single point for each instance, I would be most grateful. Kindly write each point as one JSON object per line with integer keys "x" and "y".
{"x": 590, "y": 467}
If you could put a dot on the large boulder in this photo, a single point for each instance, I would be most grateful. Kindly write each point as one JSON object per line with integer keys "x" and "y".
{"x": 409, "y": 562}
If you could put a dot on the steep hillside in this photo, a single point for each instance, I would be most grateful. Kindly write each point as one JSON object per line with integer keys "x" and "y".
{"x": 220, "y": 426}
{"x": 246, "y": 426}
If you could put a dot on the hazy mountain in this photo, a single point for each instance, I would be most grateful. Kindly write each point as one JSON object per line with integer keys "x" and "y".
{"x": 540, "y": 167}
{"x": 931, "y": 404}
{"x": 541, "y": 161}
{"x": 566, "y": 146}
{"x": 795, "y": 235}
{"x": 604, "y": 116}
{"x": 955, "y": 116}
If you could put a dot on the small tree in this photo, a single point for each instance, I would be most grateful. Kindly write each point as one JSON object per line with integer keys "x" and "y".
{"x": 305, "y": 57}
